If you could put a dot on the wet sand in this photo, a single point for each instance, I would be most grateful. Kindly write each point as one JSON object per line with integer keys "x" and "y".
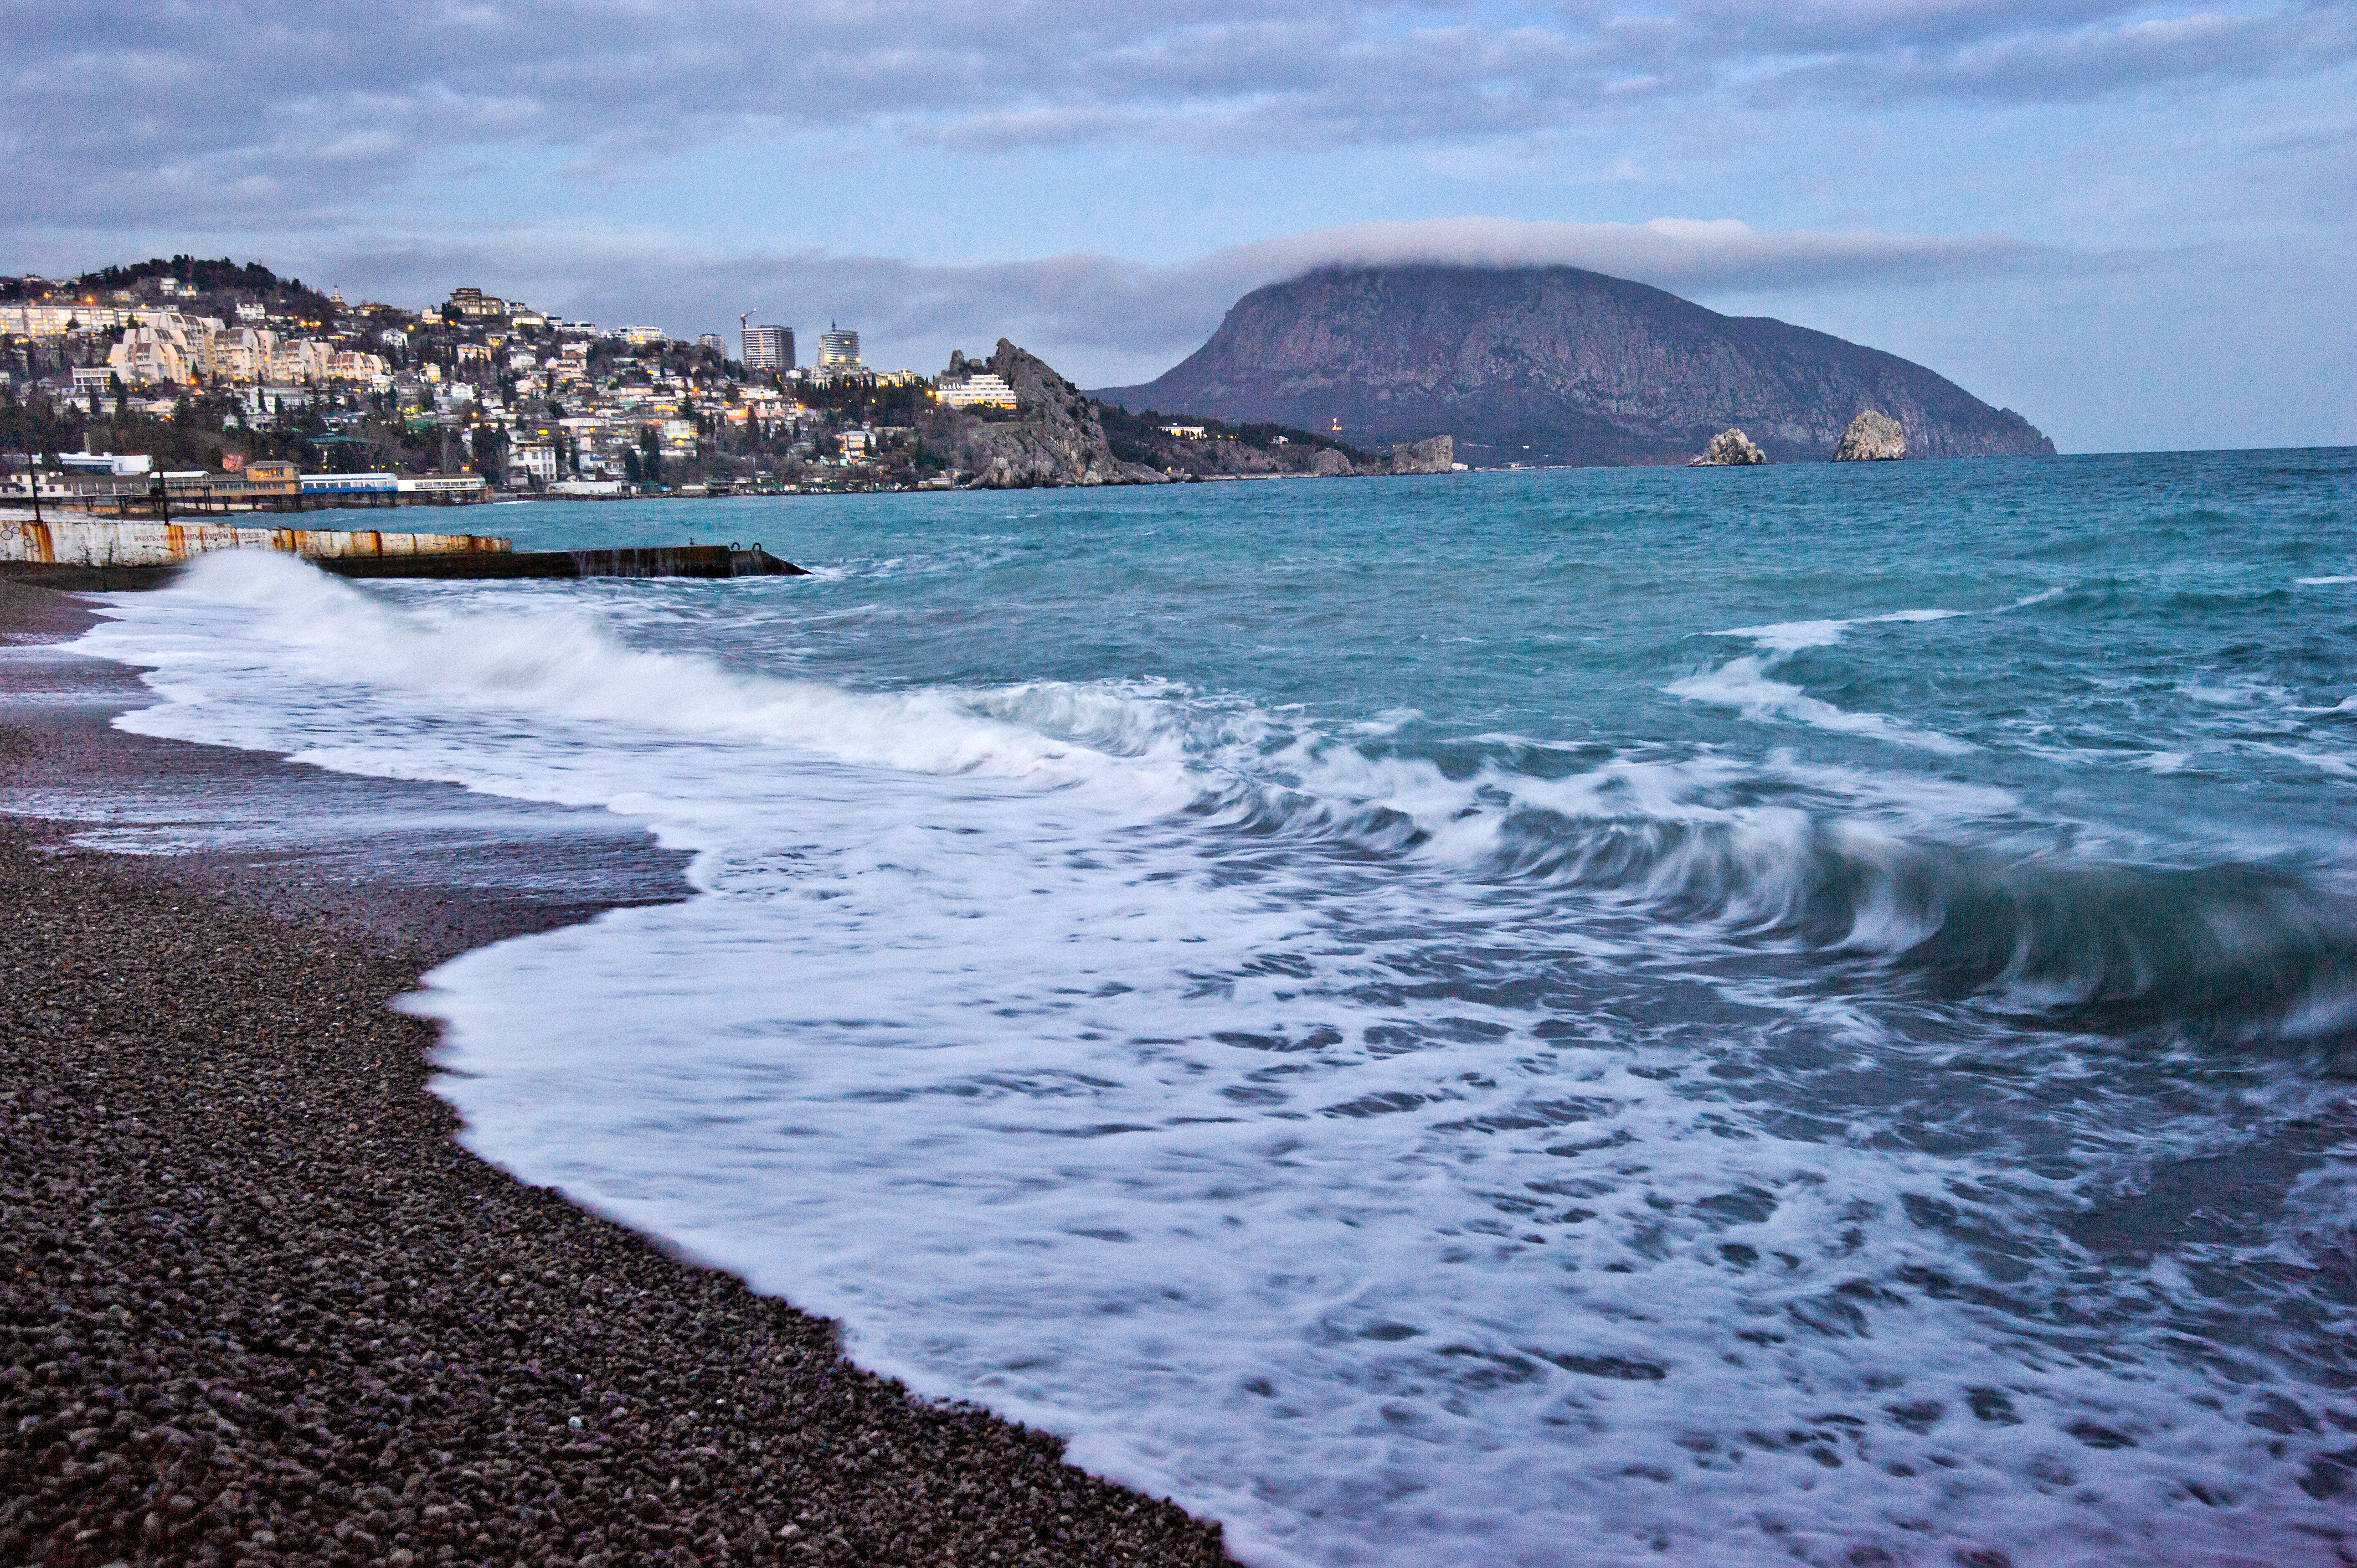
{"x": 256, "y": 1305}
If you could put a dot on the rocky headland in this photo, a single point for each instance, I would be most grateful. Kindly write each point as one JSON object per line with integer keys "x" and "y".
{"x": 1055, "y": 435}
{"x": 1555, "y": 365}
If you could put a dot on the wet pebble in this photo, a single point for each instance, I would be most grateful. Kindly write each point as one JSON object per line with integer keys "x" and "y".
{"x": 256, "y": 1307}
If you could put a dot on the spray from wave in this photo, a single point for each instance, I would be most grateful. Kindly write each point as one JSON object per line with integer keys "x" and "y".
{"x": 1745, "y": 682}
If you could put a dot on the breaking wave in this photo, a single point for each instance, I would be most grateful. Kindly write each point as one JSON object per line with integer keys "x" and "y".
{"x": 1895, "y": 869}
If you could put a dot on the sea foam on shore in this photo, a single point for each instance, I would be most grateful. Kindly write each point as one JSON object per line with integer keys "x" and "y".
{"x": 1431, "y": 1068}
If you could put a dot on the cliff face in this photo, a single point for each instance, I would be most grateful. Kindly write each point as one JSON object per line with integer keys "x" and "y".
{"x": 1555, "y": 364}
{"x": 1054, "y": 438}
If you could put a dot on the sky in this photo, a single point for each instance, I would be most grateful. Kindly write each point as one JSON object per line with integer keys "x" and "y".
{"x": 2134, "y": 224}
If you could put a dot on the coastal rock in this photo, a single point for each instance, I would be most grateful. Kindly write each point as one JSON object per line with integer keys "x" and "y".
{"x": 1054, "y": 438}
{"x": 1437, "y": 455}
{"x": 1730, "y": 448}
{"x": 1872, "y": 439}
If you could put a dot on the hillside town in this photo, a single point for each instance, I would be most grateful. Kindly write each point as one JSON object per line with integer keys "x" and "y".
{"x": 213, "y": 374}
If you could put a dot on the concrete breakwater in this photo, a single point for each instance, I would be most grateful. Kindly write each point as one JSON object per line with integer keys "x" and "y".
{"x": 648, "y": 561}
{"x": 104, "y": 554}
{"x": 125, "y": 542}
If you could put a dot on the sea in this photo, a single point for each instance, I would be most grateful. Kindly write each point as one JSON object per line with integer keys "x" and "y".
{"x": 1791, "y": 1015}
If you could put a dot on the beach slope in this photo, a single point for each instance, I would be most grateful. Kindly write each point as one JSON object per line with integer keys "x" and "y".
{"x": 256, "y": 1305}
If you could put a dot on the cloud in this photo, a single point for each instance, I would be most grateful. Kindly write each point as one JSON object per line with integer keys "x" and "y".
{"x": 161, "y": 111}
{"x": 2087, "y": 63}
{"x": 1670, "y": 253}
{"x": 1104, "y": 320}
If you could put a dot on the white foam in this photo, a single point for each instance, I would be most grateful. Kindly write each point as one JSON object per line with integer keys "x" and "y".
{"x": 1744, "y": 684}
{"x": 1352, "y": 1186}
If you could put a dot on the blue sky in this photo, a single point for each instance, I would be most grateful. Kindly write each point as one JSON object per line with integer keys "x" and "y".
{"x": 2133, "y": 223}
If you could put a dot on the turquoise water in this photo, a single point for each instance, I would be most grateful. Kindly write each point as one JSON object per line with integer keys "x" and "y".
{"x": 1562, "y": 604}
{"x": 1796, "y": 1014}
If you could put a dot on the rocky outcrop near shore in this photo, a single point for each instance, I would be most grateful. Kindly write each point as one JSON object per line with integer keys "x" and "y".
{"x": 1054, "y": 436}
{"x": 1437, "y": 455}
{"x": 1730, "y": 449}
{"x": 1872, "y": 439}
{"x": 1058, "y": 435}
{"x": 1540, "y": 365}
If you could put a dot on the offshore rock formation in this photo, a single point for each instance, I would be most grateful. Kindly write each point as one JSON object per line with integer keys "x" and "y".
{"x": 1729, "y": 449}
{"x": 1054, "y": 438}
{"x": 1872, "y": 439}
{"x": 1540, "y": 365}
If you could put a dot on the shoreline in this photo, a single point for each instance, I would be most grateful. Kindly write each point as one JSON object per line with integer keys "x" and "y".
{"x": 260, "y": 1306}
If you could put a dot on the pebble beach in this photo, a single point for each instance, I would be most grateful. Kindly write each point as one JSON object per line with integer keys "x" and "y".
{"x": 257, "y": 1306}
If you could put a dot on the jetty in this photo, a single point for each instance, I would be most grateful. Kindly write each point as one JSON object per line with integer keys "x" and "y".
{"x": 110, "y": 553}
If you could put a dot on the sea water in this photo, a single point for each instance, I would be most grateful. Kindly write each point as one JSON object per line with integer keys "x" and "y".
{"x": 1791, "y": 1015}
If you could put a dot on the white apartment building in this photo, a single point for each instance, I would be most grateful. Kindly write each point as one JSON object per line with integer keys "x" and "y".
{"x": 536, "y": 460}
{"x": 984, "y": 390}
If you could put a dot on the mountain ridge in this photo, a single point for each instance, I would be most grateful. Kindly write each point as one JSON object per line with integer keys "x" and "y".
{"x": 1556, "y": 364}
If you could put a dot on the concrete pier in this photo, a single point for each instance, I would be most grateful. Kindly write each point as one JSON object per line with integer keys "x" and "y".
{"x": 105, "y": 554}
{"x": 652, "y": 560}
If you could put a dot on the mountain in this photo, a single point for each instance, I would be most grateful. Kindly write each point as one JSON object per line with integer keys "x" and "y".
{"x": 1555, "y": 365}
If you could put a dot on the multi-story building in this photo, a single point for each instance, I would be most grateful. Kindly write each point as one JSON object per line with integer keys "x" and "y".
{"x": 164, "y": 346}
{"x": 837, "y": 349}
{"x": 57, "y": 320}
{"x": 474, "y": 302}
{"x": 534, "y": 459}
{"x": 770, "y": 349}
{"x": 37, "y": 320}
{"x": 986, "y": 390}
{"x": 244, "y": 354}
